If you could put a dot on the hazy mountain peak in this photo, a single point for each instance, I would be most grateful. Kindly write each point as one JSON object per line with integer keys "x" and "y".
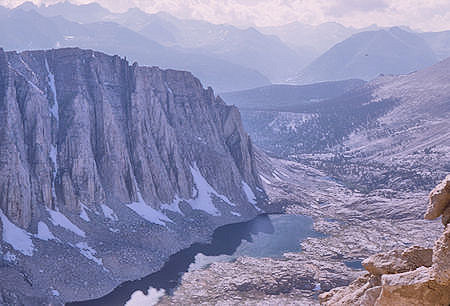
{"x": 367, "y": 54}
{"x": 27, "y": 6}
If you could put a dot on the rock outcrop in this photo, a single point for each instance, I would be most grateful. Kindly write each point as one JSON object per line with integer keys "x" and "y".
{"x": 415, "y": 276}
{"x": 82, "y": 127}
{"x": 111, "y": 165}
{"x": 292, "y": 280}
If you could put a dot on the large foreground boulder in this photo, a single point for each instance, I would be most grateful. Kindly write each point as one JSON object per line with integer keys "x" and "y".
{"x": 415, "y": 276}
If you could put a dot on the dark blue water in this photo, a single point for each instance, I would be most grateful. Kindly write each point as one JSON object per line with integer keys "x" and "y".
{"x": 264, "y": 236}
{"x": 354, "y": 264}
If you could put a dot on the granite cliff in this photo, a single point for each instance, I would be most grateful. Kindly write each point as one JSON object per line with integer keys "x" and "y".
{"x": 106, "y": 165}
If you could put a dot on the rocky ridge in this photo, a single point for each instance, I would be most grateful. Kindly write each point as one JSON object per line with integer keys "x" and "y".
{"x": 107, "y": 165}
{"x": 391, "y": 133}
{"x": 355, "y": 225}
{"x": 415, "y": 276}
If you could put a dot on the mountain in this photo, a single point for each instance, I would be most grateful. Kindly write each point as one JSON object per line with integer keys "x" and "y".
{"x": 368, "y": 54}
{"x": 288, "y": 97}
{"x": 245, "y": 47}
{"x": 439, "y": 42}
{"x": 23, "y": 30}
{"x": 83, "y": 13}
{"x": 316, "y": 39}
{"x": 249, "y": 48}
{"x": 390, "y": 133}
{"x": 110, "y": 168}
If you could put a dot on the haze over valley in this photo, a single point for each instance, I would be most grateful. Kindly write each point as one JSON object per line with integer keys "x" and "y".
{"x": 257, "y": 153}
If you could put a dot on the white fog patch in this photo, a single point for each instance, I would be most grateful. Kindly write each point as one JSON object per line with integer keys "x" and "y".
{"x": 83, "y": 213}
{"x": 18, "y": 238}
{"x": 204, "y": 191}
{"x": 55, "y": 292}
{"x": 89, "y": 252}
{"x": 138, "y": 298}
{"x": 44, "y": 232}
{"x": 147, "y": 212}
{"x": 109, "y": 213}
{"x": 58, "y": 219}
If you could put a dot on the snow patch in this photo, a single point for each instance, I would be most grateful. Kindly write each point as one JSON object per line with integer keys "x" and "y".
{"x": 250, "y": 195}
{"x": 54, "y": 110}
{"x": 53, "y": 157}
{"x": 265, "y": 180}
{"x": 174, "y": 206}
{"x": 89, "y": 252}
{"x": 83, "y": 214}
{"x": 147, "y": 212}
{"x": 10, "y": 257}
{"x": 51, "y": 83}
{"x": 202, "y": 200}
{"x": 109, "y": 213}
{"x": 55, "y": 292}
{"x": 18, "y": 238}
{"x": 44, "y": 232}
{"x": 138, "y": 298}
{"x": 235, "y": 213}
{"x": 58, "y": 219}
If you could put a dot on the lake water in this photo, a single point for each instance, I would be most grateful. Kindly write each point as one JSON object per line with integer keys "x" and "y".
{"x": 263, "y": 236}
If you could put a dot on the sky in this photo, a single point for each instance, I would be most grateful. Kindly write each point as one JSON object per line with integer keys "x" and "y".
{"x": 425, "y": 15}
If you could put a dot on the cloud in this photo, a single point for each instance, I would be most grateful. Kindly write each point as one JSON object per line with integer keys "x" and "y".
{"x": 418, "y": 14}
{"x": 340, "y": 8}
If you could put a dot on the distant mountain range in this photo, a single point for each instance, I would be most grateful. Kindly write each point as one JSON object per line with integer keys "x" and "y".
{"x": 288, "y": 97}
{"x": 223, "y": 56}
{"x": 392, "y": 132}
{"x": 439, "y": 42}
{"x": 368, "y": 54}
{"x": 248, "y": 48}
{"x": 22, "y": 30}
{"x": 310, "y": 40}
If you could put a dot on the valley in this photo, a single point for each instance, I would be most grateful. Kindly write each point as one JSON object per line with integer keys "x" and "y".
{"x": 152, "y": 157}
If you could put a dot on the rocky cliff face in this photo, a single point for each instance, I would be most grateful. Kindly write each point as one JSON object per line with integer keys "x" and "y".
{"x": 415, "y": 276}
{"x": 84, "y": 135}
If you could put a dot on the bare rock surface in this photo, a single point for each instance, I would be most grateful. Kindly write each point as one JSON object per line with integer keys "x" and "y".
{"x": 415, "y": 276}
{"x": 110, "y": 168}
{"x": 292, "y": 280}
{"x": 439, "y": 199}
{"x": 355, "y": 225}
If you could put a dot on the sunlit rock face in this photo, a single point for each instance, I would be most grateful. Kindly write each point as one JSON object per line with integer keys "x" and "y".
{"x": 96, "y": 154}
{"x": 415, "y": 276}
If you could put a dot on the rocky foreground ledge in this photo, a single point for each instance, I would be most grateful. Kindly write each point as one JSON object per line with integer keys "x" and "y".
{"x": 355, "y": 226}
{"x": 415, "y": 276}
